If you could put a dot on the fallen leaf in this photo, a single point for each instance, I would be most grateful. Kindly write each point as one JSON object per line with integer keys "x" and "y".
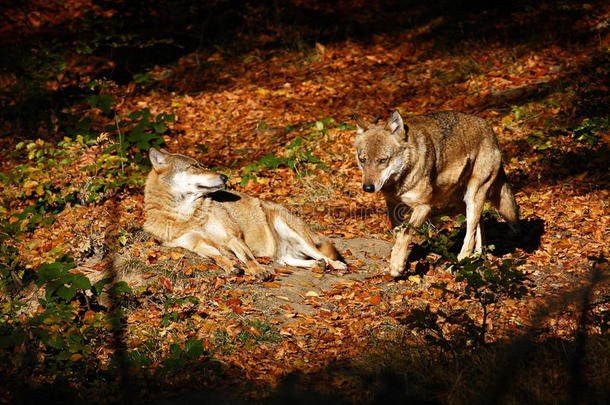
{"x": 176, "y": 256}
{"x": 167, "y": 283}
{"x": 271, "y": 284}
{"x": 414, "y": 279}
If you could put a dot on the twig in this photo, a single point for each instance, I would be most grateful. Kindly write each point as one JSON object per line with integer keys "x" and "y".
{"x": 116, "y": 119}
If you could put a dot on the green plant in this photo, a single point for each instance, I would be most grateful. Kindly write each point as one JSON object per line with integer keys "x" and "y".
{"x": 65, "y": 330}
{"x": 295, "y": 157}
{"x": 179, "y": 356}
{"x": 143, "y": 80}
{"x": 62, "y": 284}
{"x": 539, "y": 140}
{"x": 144, "y": 130}
{"x": 437, "y": 241}
{"x": 518, "y": 112}
{"x": 486, "y": 281}
{"x": 102, "y": 101}
{"x": 13, "y": 274}
{"x": 172, "y": 316}
{"x": 51, "y": 178}
{"x": 54, "y": 176}
{"x": 589, "y": 130}
{"x": 67, "y": 327}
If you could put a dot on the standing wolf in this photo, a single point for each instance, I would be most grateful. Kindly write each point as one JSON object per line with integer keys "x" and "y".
{"x": 184, "y": 208}
{"x": 428, "y": 160}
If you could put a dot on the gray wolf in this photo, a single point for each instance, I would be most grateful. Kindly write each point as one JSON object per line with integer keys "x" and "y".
{"x": 432, "y": 159}
{"x": 185, "y": 207}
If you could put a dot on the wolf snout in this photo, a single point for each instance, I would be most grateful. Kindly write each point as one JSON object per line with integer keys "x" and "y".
{"x": 369, "y": 188}
{"x": 224, "y": 178}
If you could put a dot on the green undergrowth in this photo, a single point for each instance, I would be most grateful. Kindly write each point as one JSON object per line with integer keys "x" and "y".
{"x": 482, "y": 280}
{"x": 297, "y": 155}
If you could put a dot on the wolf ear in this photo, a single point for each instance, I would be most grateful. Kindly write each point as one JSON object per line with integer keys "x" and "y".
{"x": 395, "y": 125}
{"x": 361, "y": 126}
{"x": 157, "y": 158}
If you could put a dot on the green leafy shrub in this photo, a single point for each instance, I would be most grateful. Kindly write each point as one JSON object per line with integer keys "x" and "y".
{"x": 65, "y": 330}
{"x": 179, "y": 356}
{"x": 143, "y": 130}
{"x": 485, "y": 281}
{"x": 54, "y": 176}
{"x": 294, "y": 158}
{"x": 589, "y": 130}
{"x": 439, "y": 242}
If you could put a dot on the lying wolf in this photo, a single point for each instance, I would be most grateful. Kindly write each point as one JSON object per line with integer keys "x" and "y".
{"x": 428, "y": 160}
{"x": 184, "y": 208}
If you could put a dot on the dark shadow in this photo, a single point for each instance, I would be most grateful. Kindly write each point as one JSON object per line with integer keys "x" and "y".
{"x": 223, "y": 196}
{"x": 498, "y": 233}
{"x": 516, "y": 370}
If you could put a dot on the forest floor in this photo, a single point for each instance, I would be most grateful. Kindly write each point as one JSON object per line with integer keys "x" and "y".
{"x": 271, "y": 107}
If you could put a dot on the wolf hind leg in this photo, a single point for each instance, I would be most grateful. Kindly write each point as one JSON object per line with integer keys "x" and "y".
{"x": 296, "y": 248}
{"x": 296, "y": 262}
{"x": 480, "y": 239}
{"x": 475, "y": 200}
{"x": 502, "y": 198}
{"x": 332, "y": 255}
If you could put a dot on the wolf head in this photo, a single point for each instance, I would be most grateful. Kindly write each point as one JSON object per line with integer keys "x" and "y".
{"x": 380, "y": 151}
{"x": 184, "y": 175}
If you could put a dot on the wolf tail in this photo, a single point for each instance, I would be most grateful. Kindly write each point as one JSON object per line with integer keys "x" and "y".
{"x": 329, "y": 250}
{"x": 502, "y": 197}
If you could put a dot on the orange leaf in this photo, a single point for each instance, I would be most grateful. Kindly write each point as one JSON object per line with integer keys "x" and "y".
{"x": 167, "y": 283}
{"x": 233, "y": 302}
{"x": 271, "y": 284}
{"x": 176, "y": 256}
{"x": 375, "y": 300}
{"x": 255, "y": 331}
{"x": 89, "y": 315}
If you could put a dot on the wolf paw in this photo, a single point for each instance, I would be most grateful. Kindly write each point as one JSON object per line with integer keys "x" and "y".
{"x": 462, "y": 256}
{"x": 337, "y": 264}
{"x": 264, "y": 275}
{"x": 235, "y": 271}
{"x": 320, "y": 263}
{"x": 395, "y": 271}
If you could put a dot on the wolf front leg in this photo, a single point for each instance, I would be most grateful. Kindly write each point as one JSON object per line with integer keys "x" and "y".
{"x": 400, "y": 250}
{"x": 195, "y": 242}
{"x": 243, "y": 253}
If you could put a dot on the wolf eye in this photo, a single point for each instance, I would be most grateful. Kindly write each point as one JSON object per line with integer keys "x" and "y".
{"x": 362, "y": 159}
{"x": 383, "y": 161}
